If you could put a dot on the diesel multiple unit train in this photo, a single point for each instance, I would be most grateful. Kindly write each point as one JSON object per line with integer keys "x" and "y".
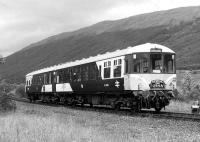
{"x": 139, "y": 77}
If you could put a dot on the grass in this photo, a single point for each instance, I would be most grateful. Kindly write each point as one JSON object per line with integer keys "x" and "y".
{"x": 31, "y": 123}
{"x": 179, "y": 106}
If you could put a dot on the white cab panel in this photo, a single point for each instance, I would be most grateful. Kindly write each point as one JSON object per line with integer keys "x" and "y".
{"x": 142, "y": 81}
{"x": 63, "y": 87}
{"x": 47, "y": 88}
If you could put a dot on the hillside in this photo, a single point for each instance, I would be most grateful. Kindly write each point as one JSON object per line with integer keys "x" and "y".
{"x": 178, "y": 29}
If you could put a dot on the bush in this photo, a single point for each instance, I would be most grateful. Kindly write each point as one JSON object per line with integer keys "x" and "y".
{"x": 20, "y": 92}
{"x": 6, "y": 104}
{"x": 194, "y": 94}
{"x": 179, "y": 96}
{"x": 187, "y": 95}
{"x": 5, "y": 87}
{"x": 189, "y": 89}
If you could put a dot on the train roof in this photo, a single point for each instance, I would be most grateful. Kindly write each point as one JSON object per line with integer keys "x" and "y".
{"x": 129, "y": 50}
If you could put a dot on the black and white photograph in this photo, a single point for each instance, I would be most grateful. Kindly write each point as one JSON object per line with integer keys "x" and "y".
{"x": 100, "y": 71}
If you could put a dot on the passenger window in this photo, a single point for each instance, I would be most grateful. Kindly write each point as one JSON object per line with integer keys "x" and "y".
{"x": 49, "y": 78}
{"x": 40, "y": 79}
{"x": 99, "y": 72}
{"x": 75, "y": 76}
{"x": 93, "y": 72}
{"x": 66, "y": 75}
{"x": 126, "y": 66}
{"x": 45, "y": 79}
{"x": 79, "y": 74}
{"x": 54, "y": 77}
{"x": 61, "y": 76}
{"x": 117, "y": 68}
{"x": 84, "y": 72}
{"x": 107, "y": 69}
{"x": 58, "y": 79}
{"x": 70, "y": 74}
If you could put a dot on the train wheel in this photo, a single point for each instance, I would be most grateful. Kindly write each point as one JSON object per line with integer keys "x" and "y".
{"x": 158, "y": 110}
{"x": 30, "y": 100}
{"x": 138, "y": 107}
{"x": 91, "y": 105}
{"x": 112, "y": 104}
{"x": 82, "y": 104}
{"x": 43, "y": 98}
{"x": 158, "y": 106}
{"x": 73, "y": 102}
{"x": 117, "y": 106}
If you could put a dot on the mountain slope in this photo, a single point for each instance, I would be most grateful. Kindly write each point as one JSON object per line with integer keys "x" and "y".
{"x": 178, "y": 29}
{"x": 169, "y": 18}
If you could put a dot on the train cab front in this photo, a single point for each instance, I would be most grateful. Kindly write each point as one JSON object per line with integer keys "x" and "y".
{"x": 152, "y": 76}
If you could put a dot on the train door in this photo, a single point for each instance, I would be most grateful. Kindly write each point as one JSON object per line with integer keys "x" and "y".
{"x": 55, "y": 80}
{"x": 127, "y": 70}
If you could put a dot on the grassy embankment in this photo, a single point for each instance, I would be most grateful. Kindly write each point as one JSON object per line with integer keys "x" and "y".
{"x": 49, "y": 124}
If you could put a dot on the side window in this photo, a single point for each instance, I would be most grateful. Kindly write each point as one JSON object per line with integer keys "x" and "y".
{"x": 64, "y": 75}
{"x": 49, "y": 78}
{"x": 70, "y": 74}
{"x": 79, "y": 74}
{"x": 33, "y": 80}
{"x": 42, "y": 76}
{"x": 117, "y": 68}
{"x": 57, "y": 79}
{"x": 40, "y": 80}
{"x": 126, "y": 66}
{"x": 36, "y": 80}
{"x": 45, "y": 78}
{"x": 67, "y": 74}
{"x": 60, "y": 76}
{"x": 168, "y": 63}
{"x": 92, "y": 75}
{"x": 74, "y": 74}
{"x": 99, "y": 71}
{"x": 107, "y": 69}
{"x": 84, "y": 73}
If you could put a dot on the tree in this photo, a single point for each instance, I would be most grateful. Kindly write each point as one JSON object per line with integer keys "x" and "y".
{"x": 188, "y": 82}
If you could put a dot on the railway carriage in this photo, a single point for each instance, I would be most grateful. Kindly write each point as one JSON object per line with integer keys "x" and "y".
{"x": 138, "y": 77}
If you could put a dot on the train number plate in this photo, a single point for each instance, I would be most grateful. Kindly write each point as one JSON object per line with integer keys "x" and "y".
{"x": 157, "y": 84}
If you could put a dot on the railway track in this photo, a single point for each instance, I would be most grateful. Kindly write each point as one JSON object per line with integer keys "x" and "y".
{"x": 123, "y": 111}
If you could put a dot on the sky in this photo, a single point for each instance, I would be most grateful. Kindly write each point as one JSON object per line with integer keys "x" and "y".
{"x": 23, "y": 22}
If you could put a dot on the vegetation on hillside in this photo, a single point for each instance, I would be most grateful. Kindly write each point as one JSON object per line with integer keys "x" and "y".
{"x": 189, "y": 88}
